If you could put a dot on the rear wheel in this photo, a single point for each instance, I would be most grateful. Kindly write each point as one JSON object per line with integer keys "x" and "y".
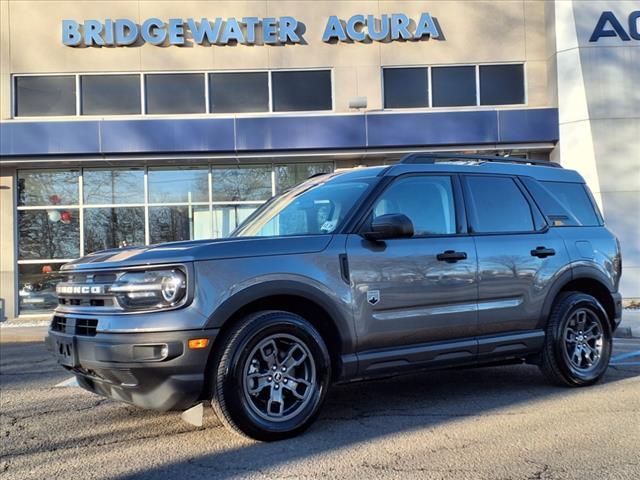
{"x": 271, "y": 376}
{"x": 578, "y": 341}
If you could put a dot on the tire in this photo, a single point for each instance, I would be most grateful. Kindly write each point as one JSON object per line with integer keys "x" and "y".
{"x": 575, "y": 356}
{"x": 256, "y": 400}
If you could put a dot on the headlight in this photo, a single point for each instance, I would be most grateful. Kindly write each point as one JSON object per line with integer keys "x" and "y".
{"x": 150, "y": 289}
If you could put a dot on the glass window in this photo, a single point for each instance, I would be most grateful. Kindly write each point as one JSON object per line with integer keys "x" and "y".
{"x": 112, "y": 227}
{"x": 47, "y": 187}
{"x": 37, "y": 287}
{"x": 501, "y": 84}
{"x": 406, "y": 87}
{"x": 48, "y": 234}
{"x": 170, "y": 224}
{"x": 239, "y": 92}
{"x": 171, "y": 185}
{"x": 304, "y": 90}
{"x": 241, "y": 183}
{"x": 288, "y": 176}
{"x": 227, "y": 218}
{"x": 499, "y": 205}
{"x": 110, "y": 94}
{"x": 45, "y": 96}
{"x": 426, "y": 200}
{"x": 453, "y": 86}
{"x": 310, "y": 209}
{"x": 175, "y": 93}
{"x": 575, "y": 198}
{"x": 102, "y": 186}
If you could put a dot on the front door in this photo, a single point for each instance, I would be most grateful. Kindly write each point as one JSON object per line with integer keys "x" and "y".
{"x": 410, "y": 292}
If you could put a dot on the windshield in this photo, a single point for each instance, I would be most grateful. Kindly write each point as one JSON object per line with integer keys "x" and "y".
{"x": 313, "y": 208}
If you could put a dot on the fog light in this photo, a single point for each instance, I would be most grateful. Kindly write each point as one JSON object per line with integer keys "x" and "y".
{"x": 198, "y": 343}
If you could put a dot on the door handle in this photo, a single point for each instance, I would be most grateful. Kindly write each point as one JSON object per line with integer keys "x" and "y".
{"x": 451, "y": 256}
{"x": 543, "y": 252}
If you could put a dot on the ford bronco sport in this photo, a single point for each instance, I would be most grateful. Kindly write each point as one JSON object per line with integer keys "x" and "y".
{"x": 437, "y": 261}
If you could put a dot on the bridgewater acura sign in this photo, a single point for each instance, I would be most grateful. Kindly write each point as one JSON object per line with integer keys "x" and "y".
{"x": 248, "y": 30}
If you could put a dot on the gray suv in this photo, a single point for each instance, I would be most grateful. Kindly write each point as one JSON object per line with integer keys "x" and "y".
{"x": 437, "y": 261}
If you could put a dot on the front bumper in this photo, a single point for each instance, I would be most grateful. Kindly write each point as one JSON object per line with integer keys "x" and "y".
{"x": 153, "y": 370}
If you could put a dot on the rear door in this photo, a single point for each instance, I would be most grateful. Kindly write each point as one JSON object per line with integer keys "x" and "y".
{"x": 413, "y": 291}
{"x": 518, "y": 255}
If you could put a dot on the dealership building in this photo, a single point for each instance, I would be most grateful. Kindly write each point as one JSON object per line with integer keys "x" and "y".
{"x": 138, "y": 122}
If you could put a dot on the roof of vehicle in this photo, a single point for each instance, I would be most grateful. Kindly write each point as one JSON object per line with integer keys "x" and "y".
{"x": 463, "y": 163}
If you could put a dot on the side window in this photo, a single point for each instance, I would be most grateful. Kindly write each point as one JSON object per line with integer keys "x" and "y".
{"x": 426, "y": 200}
{"x": 498, "y": 205}
{"x": 574, "y": 197}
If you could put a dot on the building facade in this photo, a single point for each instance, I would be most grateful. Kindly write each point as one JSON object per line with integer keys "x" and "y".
{"x": 138, "y": 122}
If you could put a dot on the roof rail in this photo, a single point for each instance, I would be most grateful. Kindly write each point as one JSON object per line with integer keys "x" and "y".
{"x": 427, "y": 158}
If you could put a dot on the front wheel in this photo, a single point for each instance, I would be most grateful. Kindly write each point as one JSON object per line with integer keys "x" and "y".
{"x": 578, "y": 342}
{"x": 271, "y": 376}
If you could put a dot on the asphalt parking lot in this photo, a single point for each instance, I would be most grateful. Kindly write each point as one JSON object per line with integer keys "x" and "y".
{"x": 493, "y": 423}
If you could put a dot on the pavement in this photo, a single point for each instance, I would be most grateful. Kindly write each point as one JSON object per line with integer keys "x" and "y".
{"x": 489, "y": 423}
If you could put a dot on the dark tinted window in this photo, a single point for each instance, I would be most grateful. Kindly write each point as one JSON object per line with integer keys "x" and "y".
{"x": 113, "y": 227}
{"x": 103, "y": 186}
{"x": 175, "y": 93}
{"x": 48, "y": 187}
{"x": 171, "y": 224}
{"x": 501, "y": 84}
{"x": 241, "y": 183}
{"x": 110, "y": 94}
{"x": 301, "y": 91}
{"x": 499, "y": 205}
{"x": 453, "y": 86}
{"x": 406, "y": 88}
{"x": 37, "y": 287}
{"x": 45, "y": 96}
{"x": 239, "y": 92}
{"x": 427, "y": 201}
{"x": 51, "y": 233}
{"x": 288, "y": 176}
{"x": 574, "y": 197}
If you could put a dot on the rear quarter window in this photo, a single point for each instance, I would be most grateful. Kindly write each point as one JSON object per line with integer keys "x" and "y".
{"x": 575, "y": 198}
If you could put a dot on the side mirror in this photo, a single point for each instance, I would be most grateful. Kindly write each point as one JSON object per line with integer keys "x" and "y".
{"x": 392, "y": 225}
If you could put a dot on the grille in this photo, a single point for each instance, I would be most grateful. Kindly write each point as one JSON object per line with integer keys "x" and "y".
{"x": 76, "y": 326}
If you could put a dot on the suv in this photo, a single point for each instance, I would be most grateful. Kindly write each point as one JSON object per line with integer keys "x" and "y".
{"x": 437, "y": 261}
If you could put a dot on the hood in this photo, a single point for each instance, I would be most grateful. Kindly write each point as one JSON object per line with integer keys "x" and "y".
{"x": 198, "y": 250}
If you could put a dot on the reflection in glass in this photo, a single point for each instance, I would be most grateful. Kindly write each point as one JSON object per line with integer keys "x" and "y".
{"x": 241, "y": 184}
{"x": 169, "y": 185}
{"x": 175, "y": 93}
{"x": 45, "y": 96}
{"x": 170, "y": 224}
{"x": 239, "y": 92}
{"x": 47, "y": 187}
{"x": 110, "y": 94}
{"x": 302, "y": 91}
{"x": 113, "y": 227}
{"x": 48, "y": 234}
{"x": 37, "y": 287}
{"x": 228, "y": 217}
{"x": 288, "y": 176}
{"x": 103, "y": 187}
{"x": 406, "y": 87}
{"x": 453, "y": 86}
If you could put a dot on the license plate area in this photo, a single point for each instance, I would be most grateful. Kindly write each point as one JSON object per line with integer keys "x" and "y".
{"x": 66, "y": 352}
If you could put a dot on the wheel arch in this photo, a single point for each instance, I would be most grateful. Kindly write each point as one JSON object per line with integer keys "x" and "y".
{"x": 301, "y": 299}
{"x": 586, "y": 280}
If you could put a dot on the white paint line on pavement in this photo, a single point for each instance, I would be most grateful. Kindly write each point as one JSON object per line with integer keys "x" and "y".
{"x": 72, "y": 382}
{"x": 625, "y": 364}
{"x": 624, "y": 356}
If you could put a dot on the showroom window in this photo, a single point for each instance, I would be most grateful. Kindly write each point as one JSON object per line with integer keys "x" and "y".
{"x": 300, "y": 91}
{"x": 65, "y": 214}
{"x": 454, "y": 86}
{"x": 110, "y": 94}
{"x": 42, "y": 96}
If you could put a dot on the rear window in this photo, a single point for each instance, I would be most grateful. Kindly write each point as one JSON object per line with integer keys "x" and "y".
{"x": 575, "y": 198}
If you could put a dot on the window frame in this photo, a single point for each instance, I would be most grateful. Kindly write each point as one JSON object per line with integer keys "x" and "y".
{"x": 363, "y": 224}
{"x": 536, "y": 215}
{"x": 477, "y": 106}
{"x": 143, "y": 104}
